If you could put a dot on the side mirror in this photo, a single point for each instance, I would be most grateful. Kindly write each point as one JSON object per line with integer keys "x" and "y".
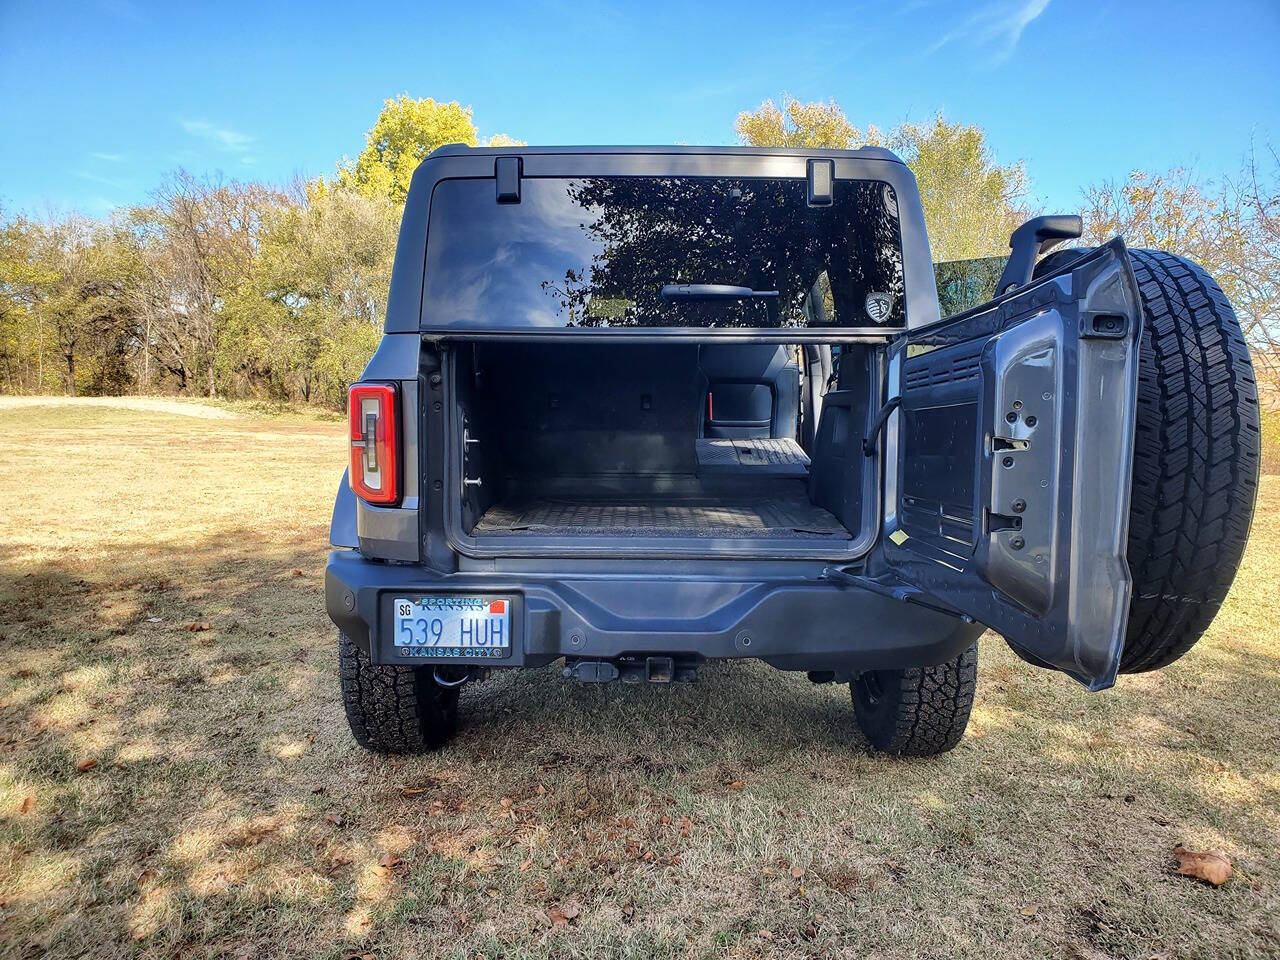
{"x": 1033, "y": 238}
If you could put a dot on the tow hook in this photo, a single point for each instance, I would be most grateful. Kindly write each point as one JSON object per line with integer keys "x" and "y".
{"x": 450, "y": 677}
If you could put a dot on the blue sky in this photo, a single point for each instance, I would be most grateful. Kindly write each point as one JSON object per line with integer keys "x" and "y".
{"x": 99, "y": 99}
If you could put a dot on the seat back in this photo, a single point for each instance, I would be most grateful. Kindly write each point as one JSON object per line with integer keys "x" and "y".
{"x": 748, "y": 391}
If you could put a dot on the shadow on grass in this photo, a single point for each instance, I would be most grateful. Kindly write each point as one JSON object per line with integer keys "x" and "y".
{"x": 223, "y": 807}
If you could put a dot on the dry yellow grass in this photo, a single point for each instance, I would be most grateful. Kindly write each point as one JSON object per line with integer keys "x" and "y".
{"x": 230, "y": 814}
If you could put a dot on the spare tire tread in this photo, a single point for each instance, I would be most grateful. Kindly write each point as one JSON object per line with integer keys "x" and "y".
{"x": 1196, "y": 457}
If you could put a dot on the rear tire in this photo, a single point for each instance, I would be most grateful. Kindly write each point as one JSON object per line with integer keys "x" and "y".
{"x": 1196, "y": 457}
{"x": 394, "y": 709}
{"x": 916, "y": 711}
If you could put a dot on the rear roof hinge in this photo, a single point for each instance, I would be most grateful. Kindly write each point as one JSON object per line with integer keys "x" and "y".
{"x": 506, "y": 171}
{"x": 822, "y": 177}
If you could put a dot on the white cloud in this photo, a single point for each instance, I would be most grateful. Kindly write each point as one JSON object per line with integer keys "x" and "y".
{"x": 224, "y": 138}
{"x": 99, "y": 179}
{"x": 995, "y": 29}
{"x": 109, "y": 157}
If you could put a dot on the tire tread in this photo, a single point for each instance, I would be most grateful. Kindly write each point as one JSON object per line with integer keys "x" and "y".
{"x": 1196, "y": 458}
{"x": 393, "y": 709}
{"x": 924, "y": 710}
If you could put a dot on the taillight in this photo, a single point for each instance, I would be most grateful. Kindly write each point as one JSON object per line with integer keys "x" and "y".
{"x": 375, "y": 443}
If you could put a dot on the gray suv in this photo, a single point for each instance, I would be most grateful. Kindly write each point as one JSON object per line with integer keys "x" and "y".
{"x": 638, "y": 408}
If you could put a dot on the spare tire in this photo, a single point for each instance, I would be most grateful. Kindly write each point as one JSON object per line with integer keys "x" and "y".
{"x": 1196, "y": 456}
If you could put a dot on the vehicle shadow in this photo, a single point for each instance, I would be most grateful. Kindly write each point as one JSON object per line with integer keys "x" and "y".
{"x": 173, "y": 713}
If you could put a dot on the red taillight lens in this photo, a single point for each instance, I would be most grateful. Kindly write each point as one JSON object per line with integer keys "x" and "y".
{"x": 375, "y": 443}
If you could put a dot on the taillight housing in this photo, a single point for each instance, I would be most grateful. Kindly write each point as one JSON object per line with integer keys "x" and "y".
{"x": 373, "y": 409}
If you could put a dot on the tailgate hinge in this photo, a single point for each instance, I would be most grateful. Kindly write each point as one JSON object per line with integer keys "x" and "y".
{"x": 894, "y": 589}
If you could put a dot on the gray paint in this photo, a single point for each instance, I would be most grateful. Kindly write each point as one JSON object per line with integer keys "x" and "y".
{"x": 1066, "y": 611}
{"x": 792, "y": 623}
{"x": 1057, "y": 586}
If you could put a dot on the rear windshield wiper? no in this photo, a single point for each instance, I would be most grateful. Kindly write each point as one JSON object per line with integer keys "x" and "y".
{"x": 713, "y": 291}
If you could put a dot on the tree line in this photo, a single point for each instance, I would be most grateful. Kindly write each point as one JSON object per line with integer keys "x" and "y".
{"x": 252, "y": 290}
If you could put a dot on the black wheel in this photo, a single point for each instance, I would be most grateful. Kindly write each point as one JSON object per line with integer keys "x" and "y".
{"x": 1196, "y": 457}
{"x": 916, "y": 711}
{"x": 393, "y": 709}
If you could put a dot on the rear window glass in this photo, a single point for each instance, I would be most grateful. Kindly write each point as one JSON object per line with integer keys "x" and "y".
{"x": 596, "y": 252}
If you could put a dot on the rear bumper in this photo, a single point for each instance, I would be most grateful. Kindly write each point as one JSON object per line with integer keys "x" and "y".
{"x": 793, "y": 623}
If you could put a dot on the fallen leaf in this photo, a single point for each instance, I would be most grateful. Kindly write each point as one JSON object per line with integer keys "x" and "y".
{"x": 198, "y": 626}
{"x": 797, "y": 873}
{"x": 524, "y": 867}
{"x": 1210, "y": 866}
{"x": 737, "y": 785}
{"x": 145, "y": 877}
{"x": 506, "y": 802}
{"x": 334, "y": 819}
{"x": 389, "y": 861}
{"x": 297, "y": 572}
{"x": 766, "y": 934}
{"x": 561, "y": 915}
{"x": 1030, "y": 910}
{"x": 28, "y": 804}
{"x": 412, "y": 791}
{"x": 87, "y": 764}
{"x": 686, "y": 826}
{"x": 541, "y": 791}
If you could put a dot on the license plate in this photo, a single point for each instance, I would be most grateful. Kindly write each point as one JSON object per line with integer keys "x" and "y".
{"x": 470, "y": 627}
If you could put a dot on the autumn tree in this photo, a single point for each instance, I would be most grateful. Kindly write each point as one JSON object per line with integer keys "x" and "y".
{"x": 310, "y": 311}
{"x": 797, "y": 124}
{"x": 971, "y": 202}
{"x": 23, "y": 281}
{"x": 405, "y": 134}
{"x": 197, "y": 243}
{"x": 1231, "y": 228}
{"x": 67, "y": 301}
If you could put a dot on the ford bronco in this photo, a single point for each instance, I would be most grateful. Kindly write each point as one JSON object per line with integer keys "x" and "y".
{"x": 639, "y": 408}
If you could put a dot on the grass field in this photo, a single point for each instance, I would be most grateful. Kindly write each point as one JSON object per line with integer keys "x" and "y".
{"x": 171, "y": 792}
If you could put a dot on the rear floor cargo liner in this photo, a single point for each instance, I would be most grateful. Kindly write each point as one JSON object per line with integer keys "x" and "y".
{"x": 773, "y": 517}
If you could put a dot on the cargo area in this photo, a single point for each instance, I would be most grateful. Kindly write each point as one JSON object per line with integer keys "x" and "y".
{"x": 653, "y": 444}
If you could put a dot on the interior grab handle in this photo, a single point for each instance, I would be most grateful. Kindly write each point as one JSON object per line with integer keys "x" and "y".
{"x": 869, "y": 442}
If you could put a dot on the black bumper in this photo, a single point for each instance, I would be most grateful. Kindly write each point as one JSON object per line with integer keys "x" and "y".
{"x": 792, "y": 623}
